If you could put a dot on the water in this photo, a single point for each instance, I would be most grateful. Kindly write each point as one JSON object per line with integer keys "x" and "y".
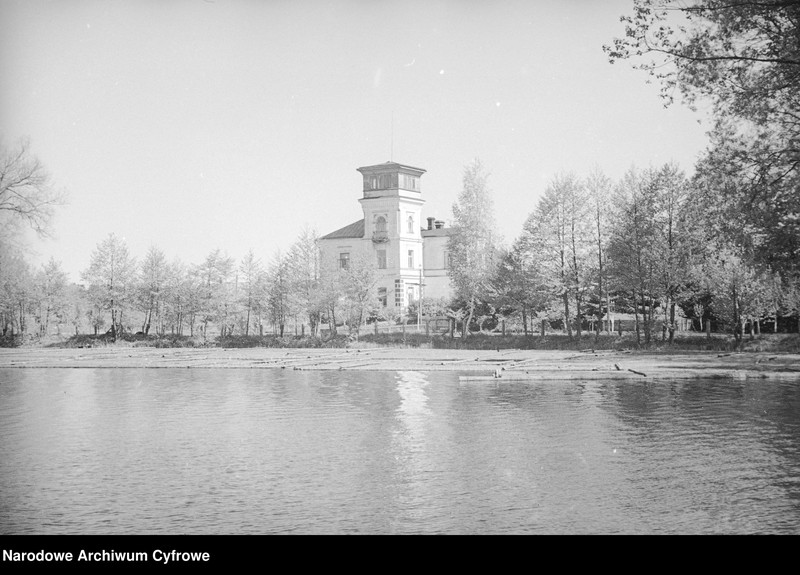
{"x": 205, "y": 451}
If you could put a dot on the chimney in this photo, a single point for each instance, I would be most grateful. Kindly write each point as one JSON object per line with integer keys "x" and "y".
{"x": 430, "y": 223}
{"x": 439, "y": 224}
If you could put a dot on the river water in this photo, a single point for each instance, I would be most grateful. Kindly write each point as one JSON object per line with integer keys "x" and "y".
{"x": 236, "y": 451}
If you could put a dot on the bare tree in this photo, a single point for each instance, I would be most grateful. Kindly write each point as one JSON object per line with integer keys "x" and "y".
{"x": 26, "y": 190}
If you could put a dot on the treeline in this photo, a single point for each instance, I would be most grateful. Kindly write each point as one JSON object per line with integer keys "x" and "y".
{"x": 120, "y": 294}
{"x": 645, "y": 246}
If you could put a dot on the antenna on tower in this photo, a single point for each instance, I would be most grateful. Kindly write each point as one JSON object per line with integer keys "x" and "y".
{"x": 391, "y": 147}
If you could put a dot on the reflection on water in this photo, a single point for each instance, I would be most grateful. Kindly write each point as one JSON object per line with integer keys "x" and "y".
{"x": 264, "y": 451}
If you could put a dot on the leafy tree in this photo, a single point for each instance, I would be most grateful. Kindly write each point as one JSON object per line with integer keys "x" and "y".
{"x": 472, "y": 243}
{"x": 518, "y": 283}
{"x": 213, "y": 279}
{"x": 743, "y": 58}
{"x": 358, "y": 281}
{"x": 598, "y": 189}
{"x": 675, "y": 238}
{"x": 26, "y": 190}
{"x": 110, "y": 278}
{"x": 150, "y": 290}
{"x": 278, "y": 291}
{"x": 555, "y": 234}
{"x": 50, "y": 286}
{"x": 633, "y": 260}
{"x": 736, "y": 288}
{"x": 304, "y": 277}
{"x": 16, "y": 292}
{"x": 252, "y": 286}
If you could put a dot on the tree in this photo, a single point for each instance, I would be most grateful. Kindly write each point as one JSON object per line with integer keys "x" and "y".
{"x": 150, "y": 289}
{"x": 16, "y": 292}
{"x": 252, "y": 284}
{"x": 26, "y": 191}
{"x": 632, "y": 258}
{"x": 358, "y": 281}
{"x": 213, "y": 280}
{"x": 742, "y": 57}
{"x": 675, "y": 237}
{"x": 555, "y": 235}
{"x": 518, "y": 283}
{"x": 472, "y": 243}
{"x": 278, "y": 291}
{"x": 110, "y": 278}
{"x": 738, "y": 289}
{"x": 598, "y": 188}
{"x": 50, "y": 286}
{"x": 304, "y": 277}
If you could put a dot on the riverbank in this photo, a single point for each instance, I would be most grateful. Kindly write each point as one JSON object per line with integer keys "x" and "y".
{"x": 412, "y": 338}
{"x": 497, "y": 364}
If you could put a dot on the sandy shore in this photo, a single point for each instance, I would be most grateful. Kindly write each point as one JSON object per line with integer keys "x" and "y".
{"x": 475, "y": 364}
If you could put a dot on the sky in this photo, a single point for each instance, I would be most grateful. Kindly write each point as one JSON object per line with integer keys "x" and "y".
{"x": 195, "y": 125}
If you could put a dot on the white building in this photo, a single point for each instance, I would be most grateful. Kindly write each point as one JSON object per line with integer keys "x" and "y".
{"x": 411, "y": 259}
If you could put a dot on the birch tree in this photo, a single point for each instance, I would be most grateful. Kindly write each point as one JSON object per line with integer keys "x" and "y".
{"x": 472, "y": 243}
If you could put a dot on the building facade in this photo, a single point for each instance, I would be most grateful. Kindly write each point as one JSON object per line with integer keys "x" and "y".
{"x": 409, "y": 255}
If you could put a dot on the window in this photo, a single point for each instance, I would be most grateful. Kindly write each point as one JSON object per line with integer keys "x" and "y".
{"x": 344, "y": 260}
{"x": 398, "y": 293}
{"x": 382, "y": 297}
{"x": 381, "y": 259}
{"x": 410, "y": 224}
{"x": 447, "y": 261}
{"x": 410, "y": 182}
{"x": 380, "y": 224}
{"x": 411, "y": 259}
{"x": 411, "y": 293}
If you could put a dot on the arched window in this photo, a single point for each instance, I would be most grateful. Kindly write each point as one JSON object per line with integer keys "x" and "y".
{"x": 380, "y": 224}
{"x": 410, "y": 224}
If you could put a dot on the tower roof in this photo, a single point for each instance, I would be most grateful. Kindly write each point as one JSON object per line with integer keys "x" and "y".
{"x": 391, "y": 167}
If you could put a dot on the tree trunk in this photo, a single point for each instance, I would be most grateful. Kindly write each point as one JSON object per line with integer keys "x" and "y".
{"x": 671, "y": 322}
{"x": 524, "y": 320}
{"x": 636, "y": 319}
{"x": 567, "y": 324}
{"x": 469, "y": 319}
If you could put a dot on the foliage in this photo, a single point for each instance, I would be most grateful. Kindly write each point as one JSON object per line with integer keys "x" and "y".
{"x": 110, "y": 279}
{"x": 743, "y": 58}
{"x": 472, "y": 245}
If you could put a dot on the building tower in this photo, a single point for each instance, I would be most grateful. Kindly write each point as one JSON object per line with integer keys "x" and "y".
{"x": 392, "y": 205}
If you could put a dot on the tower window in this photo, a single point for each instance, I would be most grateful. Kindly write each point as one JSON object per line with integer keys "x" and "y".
{"x": 380, "y": 224}
{"x": 411, "y": 259}
{"x": 410, "y": 182}
{"x": 410, "y": 224}
{"x": 344, "y": 260}
{"x": 381, "y": 259}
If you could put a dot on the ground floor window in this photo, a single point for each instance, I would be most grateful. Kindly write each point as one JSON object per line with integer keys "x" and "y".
{"x": 382, "y": 297}
{"x": 398, "y": 293}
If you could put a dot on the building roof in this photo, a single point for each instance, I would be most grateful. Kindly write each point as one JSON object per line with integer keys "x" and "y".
{"x": 391, "y": 167}
{"x": 354, "y": 230}
{"x": 436, "y": 232}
